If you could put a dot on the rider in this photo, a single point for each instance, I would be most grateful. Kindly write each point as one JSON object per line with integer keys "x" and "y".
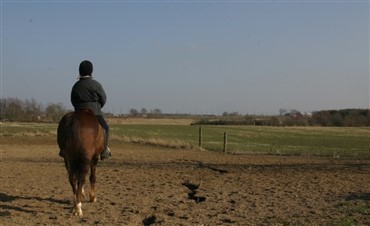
{"x": 88, "y": 93}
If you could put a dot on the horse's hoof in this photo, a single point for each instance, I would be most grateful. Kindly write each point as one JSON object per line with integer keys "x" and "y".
{"x": 77, "y": 213}
{"x": 93, "y": 199}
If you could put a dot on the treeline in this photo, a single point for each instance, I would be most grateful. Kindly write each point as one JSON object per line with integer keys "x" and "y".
{"x": 144, "y": 112}
{"x": 346, "y": 117}
{"x": 18, "y": 110}
{"x": 326, "y": 118}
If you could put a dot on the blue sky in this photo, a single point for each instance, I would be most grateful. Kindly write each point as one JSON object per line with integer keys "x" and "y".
{"x": 203, "y": 57}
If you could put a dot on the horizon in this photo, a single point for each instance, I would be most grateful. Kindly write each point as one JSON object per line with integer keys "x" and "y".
{"x": 26, "y": 103}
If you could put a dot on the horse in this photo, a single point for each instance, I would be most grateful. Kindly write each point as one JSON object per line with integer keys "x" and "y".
{"x": 81, "y": 138}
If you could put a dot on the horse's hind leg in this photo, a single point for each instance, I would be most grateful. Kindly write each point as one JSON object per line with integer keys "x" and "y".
{"x": 81, "y": 181}
{"x": 78, "y": 203}
{"x": 74, "y": 185}
{"x": 93, "y": 180}
{"x": 83, "y": 192}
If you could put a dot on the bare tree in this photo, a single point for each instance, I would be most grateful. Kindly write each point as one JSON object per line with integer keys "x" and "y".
{"x": 282, "y": 111}
{"x": 32, "y": 110}
{"x": 144, "y": 111}
{"x": 14, "y": 110}
{"x": 133, "y": 112}
{"x": 55, "y": 112}
{"x": 156, "y": 111}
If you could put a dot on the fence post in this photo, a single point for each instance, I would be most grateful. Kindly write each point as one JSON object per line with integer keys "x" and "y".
{"x": 225, "y": 141}
{"x": 200, "y": 136}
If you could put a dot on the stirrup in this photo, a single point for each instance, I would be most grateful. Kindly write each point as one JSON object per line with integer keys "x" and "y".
{"x": 105, "y": 154}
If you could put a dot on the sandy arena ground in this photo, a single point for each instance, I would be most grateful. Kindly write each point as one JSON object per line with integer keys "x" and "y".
{"x": 145, "y": 185}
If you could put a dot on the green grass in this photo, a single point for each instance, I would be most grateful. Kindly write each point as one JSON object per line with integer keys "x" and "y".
{"x": 251, "y": 139}
{"x": 274, "y": 140}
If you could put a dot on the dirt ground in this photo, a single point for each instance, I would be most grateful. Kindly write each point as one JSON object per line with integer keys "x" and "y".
{"x": 145, "y": 185}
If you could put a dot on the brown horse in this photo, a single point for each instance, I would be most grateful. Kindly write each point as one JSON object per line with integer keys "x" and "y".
{"x": 81, "y": 138}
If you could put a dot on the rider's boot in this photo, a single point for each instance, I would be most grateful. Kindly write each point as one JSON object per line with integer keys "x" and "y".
{"x": 106, "y": 152}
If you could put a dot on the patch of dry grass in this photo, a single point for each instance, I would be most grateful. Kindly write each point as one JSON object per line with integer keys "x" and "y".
{"x": 27, "y": 129}
{"x": 154, "y": 141}
{"x": 150, "y": 121}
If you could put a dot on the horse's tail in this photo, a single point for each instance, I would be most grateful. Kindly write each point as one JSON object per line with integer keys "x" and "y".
{"x": 73, "y": 141}
{"x": 79, "y": 163}
{"x": 80, "y": 167}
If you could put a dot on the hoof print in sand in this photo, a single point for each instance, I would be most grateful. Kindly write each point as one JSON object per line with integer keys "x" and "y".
{"x": 193, "y": 191}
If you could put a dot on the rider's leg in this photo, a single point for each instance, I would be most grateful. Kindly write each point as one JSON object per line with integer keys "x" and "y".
{"x": 106, "y": 152}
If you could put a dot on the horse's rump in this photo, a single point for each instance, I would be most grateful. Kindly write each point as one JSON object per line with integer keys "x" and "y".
{"x": 80, "y": 135}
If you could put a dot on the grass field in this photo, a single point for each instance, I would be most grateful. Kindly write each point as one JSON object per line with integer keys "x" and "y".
{"x": 251, "y": 139}
{"x": 241, "y": 139}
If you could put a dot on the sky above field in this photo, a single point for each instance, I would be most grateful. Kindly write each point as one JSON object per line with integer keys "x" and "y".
{"x": 200, "y": 57}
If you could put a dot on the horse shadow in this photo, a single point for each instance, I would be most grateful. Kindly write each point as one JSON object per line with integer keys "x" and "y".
{"x": 5, "y": 208}
{"x": 357, "y": 196}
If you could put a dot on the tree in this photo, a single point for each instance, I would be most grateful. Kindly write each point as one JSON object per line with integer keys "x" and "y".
{"x": 283, "y": 111}
{"x": 55, "y": 112}
{"x": 133, "y": 112}
{"x": 156, "y": 111}
{"x": 3, "y": 108}
{"x": 14, "y": 110}
{"x": 32, "y": 110}
{"x": 234, "y": 114}
{"x": 144, "y": 111}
